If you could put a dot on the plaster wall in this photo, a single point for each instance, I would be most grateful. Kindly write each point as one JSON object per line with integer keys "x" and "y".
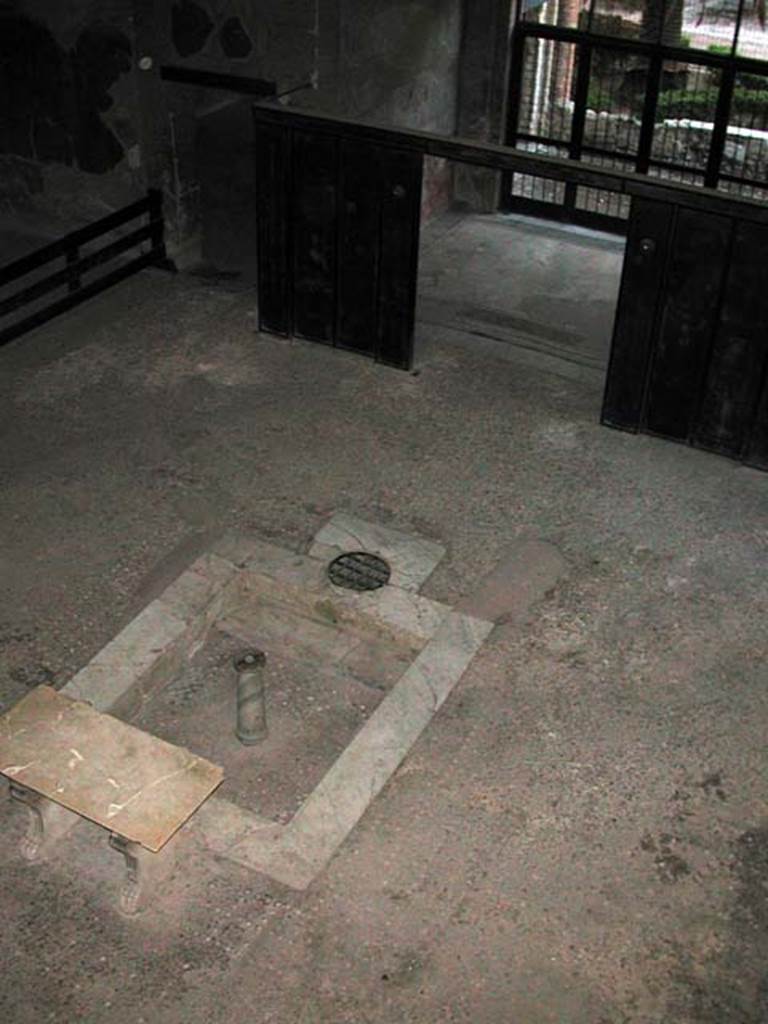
{"x": 68, "y": 113}
{"x": 89, "y": 124}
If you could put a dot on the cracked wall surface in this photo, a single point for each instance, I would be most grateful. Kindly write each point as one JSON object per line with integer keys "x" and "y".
{"x": 87, "y": 124}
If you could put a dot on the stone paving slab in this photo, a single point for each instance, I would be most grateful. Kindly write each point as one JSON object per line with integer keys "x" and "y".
{"x": 412, "y": 559}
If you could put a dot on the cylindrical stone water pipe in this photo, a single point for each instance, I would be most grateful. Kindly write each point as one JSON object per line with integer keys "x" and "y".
{"x": 251, "y": 701}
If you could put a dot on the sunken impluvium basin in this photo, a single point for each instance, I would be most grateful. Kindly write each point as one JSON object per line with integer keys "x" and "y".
{"x": 353, "y": 676}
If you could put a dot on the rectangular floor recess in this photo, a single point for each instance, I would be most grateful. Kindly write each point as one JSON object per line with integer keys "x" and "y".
{"x": 238, "y": 577}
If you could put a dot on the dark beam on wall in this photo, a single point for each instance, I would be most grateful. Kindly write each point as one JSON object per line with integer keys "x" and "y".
{"x": 259, "y": 87}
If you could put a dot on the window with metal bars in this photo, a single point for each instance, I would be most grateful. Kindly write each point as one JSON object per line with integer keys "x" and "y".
{"x": 676, "y": 89}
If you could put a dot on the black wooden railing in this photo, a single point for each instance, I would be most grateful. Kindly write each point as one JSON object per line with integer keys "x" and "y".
{"x": 149, "y": 237}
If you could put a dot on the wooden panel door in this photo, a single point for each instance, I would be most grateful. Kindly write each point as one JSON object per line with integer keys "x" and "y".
{"x": 378, "y": 243}
{"x": 735, "y": 402}
{"x": 359, "y": 225}
{"x": 695, "y": 266}
{"x": 313, "y": 228}
{"x": 272, "y": 153}
{"x": 689, "y": 359}
{"x": 637, "y": 313}
{"x": 338, "y": 240}
{"x": 400, "y": 205}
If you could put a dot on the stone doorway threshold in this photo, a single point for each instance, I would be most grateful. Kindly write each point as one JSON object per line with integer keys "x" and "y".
{"x": 153, "y": 649}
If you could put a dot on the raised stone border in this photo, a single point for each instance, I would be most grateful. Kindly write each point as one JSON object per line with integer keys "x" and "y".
{"x": 151, "y": 650}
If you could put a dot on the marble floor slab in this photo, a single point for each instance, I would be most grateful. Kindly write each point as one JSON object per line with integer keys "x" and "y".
{"x": 412, "y": 559}
{"x": 125, "y": 780}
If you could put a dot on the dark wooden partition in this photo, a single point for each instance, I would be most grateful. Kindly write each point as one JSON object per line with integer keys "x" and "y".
{"x": 339, "y": 208}
{"x": 690, "y": 349}
{"x": 338, "y": 239}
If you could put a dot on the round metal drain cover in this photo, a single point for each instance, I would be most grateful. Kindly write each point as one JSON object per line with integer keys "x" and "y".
{"x": 358, "y": 570}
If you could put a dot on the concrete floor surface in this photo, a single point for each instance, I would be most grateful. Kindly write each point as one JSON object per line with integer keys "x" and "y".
{"x": 580, "y": 836}
{"x": 529, "y": 283}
